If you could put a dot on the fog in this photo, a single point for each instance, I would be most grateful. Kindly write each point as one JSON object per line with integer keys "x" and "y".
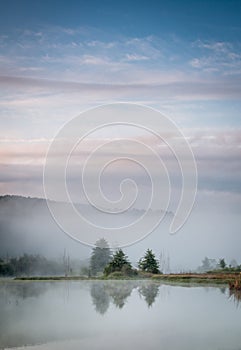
{"x": 26, "y": 226}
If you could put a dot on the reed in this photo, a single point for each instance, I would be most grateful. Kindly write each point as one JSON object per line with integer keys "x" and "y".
{"x": 236, "y": 284}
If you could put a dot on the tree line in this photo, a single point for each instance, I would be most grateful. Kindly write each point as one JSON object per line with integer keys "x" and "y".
{"x": 220, "y": 265}
{"x": 30, "y": 265}
{"x": 102, "y": 261}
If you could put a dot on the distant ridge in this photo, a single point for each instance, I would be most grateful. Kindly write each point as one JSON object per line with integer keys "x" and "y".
{"x": 43, "y": 200}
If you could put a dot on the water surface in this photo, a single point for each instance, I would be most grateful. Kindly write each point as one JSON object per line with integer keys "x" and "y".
{"x": 91, "y": 315}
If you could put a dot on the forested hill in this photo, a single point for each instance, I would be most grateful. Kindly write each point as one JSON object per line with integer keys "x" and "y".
{"x": 26, "y": 226}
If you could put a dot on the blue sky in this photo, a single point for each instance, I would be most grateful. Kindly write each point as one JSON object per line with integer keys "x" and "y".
{"x": 58, "y": 58}
{"x": 136, "y": 18}
{"x": 182, "y": 59}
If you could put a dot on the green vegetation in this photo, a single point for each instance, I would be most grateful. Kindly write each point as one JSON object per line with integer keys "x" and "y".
{"x": 222, "y": 263}
{"x": 194, "y": 278}
{"x": 212, "y": 266}
{"x": 28, "y": 265}
{"x": 119, "y": 266}
{"x": 103, "y": 265}
{"x": 149, "y": 263}
{"x": 101, "y": 256}
{"x": 52, "y": 278}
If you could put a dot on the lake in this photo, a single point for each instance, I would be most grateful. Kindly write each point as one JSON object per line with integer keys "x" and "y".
{"x": 91, "y": 315}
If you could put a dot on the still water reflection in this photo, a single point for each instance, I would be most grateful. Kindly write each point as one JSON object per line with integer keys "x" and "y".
{"x": 117, "y": 314}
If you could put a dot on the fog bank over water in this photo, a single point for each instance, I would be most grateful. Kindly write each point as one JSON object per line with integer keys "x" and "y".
{"x": 26, "y": 226}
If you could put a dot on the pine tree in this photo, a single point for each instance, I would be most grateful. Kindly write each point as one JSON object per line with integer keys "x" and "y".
{"x": 119, "y": 262}
{"x": 222, "y": 263}
{"x": 149, "y": 262}
{"x": 101, "y": 256}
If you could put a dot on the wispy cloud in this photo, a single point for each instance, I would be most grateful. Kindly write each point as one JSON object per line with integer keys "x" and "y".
{"x": 72, "y": 56}
{"x": 177, "y": 85}
{"x": 222, "y": 57}
{"x": 135, "y": 57}
{"x": 51, "y": 74}
{"x": 218, "y": 156}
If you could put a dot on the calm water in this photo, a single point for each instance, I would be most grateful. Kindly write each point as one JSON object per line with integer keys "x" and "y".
{"x": 117, "y": 315}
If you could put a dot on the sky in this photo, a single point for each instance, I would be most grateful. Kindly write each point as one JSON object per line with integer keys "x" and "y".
{"x": 59, "y": 58}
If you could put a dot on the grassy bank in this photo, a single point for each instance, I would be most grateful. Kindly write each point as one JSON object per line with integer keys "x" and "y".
{"x": 204, "y": 278}
{"x": 53, "y": 278}
{"x": 236, "y": 284}
{"x": 188, "y": 278}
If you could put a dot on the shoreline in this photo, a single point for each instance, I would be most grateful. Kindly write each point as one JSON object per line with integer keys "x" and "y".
{"x": 186, "y": 278}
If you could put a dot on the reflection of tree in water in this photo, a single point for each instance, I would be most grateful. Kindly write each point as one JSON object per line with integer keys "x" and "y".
{"x": 223, "y": 290}
{"x": 13, "y": 300}
{"x": 14, "y": 292}
{"x": 149, "y": 292}
{"x": 100, "y": 297}
{"x": 235, "y": 296}
{"x": 103, "y": 293}
{"x": 118, "y": 292}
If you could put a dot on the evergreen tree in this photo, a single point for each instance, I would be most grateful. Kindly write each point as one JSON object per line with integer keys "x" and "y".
{"x": 208, "y": 265}
{"x": 222, "y": 263}
{"x": 119, "y": 262}
{"x": 101, "y": 256}
{"x": 149, "y": 262}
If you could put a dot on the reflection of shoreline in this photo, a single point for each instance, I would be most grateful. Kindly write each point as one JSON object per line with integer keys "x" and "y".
{"x": 20, "y": 301}
{"x": 103, "y": 293}
{"x": 235, "y": 296}
{"x": 14, "y": 292}
{"x": 45, "y": 312}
